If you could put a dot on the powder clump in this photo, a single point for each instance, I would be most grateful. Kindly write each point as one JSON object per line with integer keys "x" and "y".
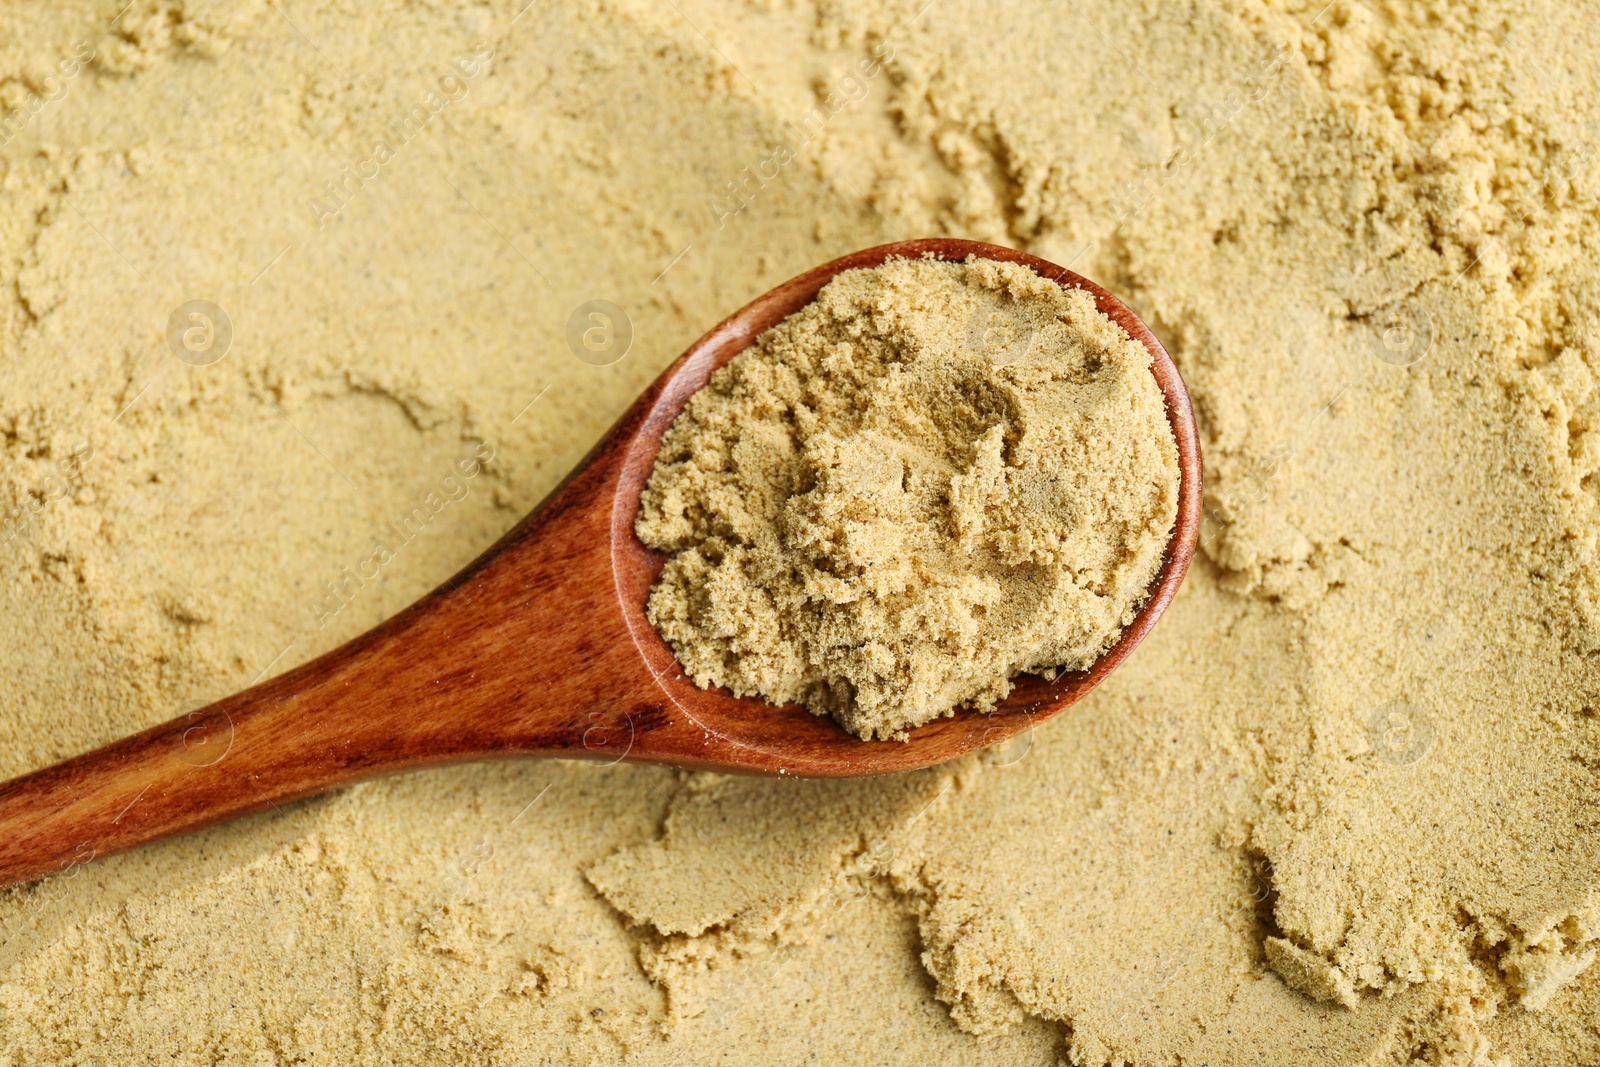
{"x": 932, "y": 478}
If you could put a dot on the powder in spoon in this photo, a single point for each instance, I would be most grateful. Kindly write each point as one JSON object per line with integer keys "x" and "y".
{"x": 932, "y": 478}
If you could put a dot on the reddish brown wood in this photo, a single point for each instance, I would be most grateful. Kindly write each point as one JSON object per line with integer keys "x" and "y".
{"x": 540, "y": 647}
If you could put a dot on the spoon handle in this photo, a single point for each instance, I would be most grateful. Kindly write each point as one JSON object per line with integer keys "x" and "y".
{"x": 523, "y": 653}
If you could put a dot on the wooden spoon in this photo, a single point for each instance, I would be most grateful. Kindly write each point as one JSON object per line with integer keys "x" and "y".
{"x": 540, "y": 647}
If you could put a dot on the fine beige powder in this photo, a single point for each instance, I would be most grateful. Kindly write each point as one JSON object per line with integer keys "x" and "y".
{"x": 932, "y": 478}
{"x": 1342, "y": 806}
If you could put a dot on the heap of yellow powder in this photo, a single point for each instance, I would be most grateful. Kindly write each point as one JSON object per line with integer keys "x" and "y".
{"x": 934, "y": 477}
{"x": 1340, "y": 810}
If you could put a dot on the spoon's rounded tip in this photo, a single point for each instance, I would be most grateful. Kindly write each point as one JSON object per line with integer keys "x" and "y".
{"x": 752, "y": 737}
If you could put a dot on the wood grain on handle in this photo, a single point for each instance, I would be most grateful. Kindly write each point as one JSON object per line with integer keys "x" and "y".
{"x": 524, "y": 653}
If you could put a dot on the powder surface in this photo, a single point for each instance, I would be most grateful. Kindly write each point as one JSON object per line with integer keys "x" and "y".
{"x": 1341, "y": 808}
{"x": 930, "y": 479}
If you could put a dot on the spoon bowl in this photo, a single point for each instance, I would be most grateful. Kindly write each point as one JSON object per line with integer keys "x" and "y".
{"x": 795, "y": 740}
{"x": 541, "y": 647}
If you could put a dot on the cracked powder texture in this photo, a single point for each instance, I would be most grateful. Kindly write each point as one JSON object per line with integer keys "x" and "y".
{"x": 932, "y": 478}
{"x": 1342, "y": 807}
